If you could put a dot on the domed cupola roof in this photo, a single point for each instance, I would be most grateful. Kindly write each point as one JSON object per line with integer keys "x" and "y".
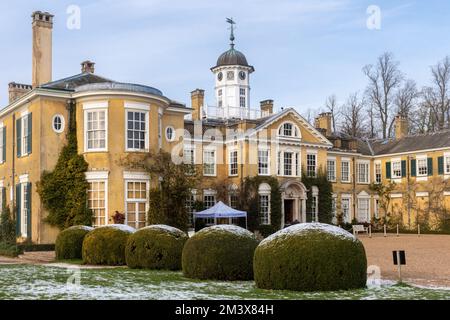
{"x": 232, "y": 57}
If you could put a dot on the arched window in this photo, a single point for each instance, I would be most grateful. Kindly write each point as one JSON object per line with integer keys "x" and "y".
{"x": 264, "y": 203}
{"x": 288, "y": 129}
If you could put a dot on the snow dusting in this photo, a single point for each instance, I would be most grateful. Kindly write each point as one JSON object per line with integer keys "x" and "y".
{"x": 228, "y": 228}
{"x": 169, "y": 229}
{"x": 80, "y": 228}
{"x": 306, "y": 227}
{"x": 122, "y": 227}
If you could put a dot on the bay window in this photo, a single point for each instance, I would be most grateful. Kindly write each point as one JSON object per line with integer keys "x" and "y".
{"x": 96, "y": 130}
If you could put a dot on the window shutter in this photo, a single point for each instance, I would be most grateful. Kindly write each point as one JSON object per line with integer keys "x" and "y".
{"x": 403, "y": 168}
{"x": 3, "y": 198}
{"x": 18, "y": 233}
{"x": 19, "y": 137}
{"x": 30, "y": 130}
{"x": 441, "y": 165}
{"x": 430, "y": 166}
{"x": 4, "y": 144}
{"x": 413, "y": 168}
{"x": 28, "y": 186}
{"x": 388, "y": 170}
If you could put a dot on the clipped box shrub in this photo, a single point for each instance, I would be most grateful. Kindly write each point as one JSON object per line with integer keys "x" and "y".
{"x": 106, "y": 245}
{"x": 222, "y": 252}
{"x": 310, "y": 257}
{"x": 155, "y": 247}
{"x": 69, "y": 242}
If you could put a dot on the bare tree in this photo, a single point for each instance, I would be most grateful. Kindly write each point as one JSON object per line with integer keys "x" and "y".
{"x": 405, "y": 101}
{"x": 352, "y": 116}
{"x": 437, "y": 96}
{"x": 331, "y": 107}
{"x": 384, "y": 78}
{"x": 311, "y": 115}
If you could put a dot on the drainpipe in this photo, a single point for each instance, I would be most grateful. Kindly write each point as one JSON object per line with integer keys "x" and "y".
{"x": 13, "y": 169}
{"x": 354, "y": 188}
{"x": 408, "y": 186}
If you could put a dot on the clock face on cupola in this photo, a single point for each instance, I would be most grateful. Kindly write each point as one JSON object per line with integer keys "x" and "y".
{"x": 232, "y": 87}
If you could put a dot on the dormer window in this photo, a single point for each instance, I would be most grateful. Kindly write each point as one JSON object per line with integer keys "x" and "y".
{"x": 288, "y": 129}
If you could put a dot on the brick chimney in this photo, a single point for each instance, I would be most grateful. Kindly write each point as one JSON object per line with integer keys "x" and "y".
{"x": 16, "y": 90}
{"x": 266, "y": 108}
{"x": 401, "y": 127}
{"x": 197, "y": 101}
{"x": 42, "y": 48}
{"x": 87, "y": 67}
{"x": 323, "y": 123}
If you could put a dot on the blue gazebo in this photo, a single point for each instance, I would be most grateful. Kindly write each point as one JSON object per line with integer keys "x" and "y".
{"x": 221, "y": 210}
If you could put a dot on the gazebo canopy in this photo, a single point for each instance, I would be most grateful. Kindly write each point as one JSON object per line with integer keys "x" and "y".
{"x": 220, "y": 210}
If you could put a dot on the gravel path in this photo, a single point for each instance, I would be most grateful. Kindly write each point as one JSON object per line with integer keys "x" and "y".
{"x": 427, "y": 258}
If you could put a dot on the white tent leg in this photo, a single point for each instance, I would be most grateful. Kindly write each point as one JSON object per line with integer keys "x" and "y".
{"x": 229, "y": 221}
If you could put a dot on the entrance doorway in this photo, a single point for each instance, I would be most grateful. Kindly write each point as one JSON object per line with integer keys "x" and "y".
{"x": 288, "y": 211}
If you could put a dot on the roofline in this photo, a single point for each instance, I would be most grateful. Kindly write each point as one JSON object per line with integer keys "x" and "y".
{"x": 410, "y": 152}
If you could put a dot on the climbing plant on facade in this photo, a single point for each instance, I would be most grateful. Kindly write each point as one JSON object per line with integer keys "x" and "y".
{"x": 63, "y": 191}
{"x": 325, "y": 195}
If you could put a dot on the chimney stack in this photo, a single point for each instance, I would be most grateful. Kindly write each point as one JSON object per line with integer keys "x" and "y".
{"x": 266, "y": 108}
{"x": 42, "y": 48}
{"x": 401, "y": 127}
{"x": 87, "y": 67}
{"x": 197, "y": 101}
{"x": 323, "y": 123}
{"x": 16, "y": 90}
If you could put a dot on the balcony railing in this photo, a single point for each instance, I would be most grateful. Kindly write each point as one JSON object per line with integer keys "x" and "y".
{"x": 214, "y": 112}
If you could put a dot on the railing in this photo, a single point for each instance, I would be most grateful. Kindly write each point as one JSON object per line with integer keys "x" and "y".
{"x": 231, "y": 112}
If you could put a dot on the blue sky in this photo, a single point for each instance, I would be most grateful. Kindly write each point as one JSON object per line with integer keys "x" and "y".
{"x": 302, "y": 50}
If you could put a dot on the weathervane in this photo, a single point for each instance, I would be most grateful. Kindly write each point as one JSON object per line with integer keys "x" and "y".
{"x": 232, "y": 23}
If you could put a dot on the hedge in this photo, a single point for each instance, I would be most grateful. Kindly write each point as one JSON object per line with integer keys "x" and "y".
{"x": 69, "y": 242}
{"x": 155, "y": 247}
{"x": 222, "y": 252}
{"x": 310, "y": 257}
{"x": 106, "y": 245}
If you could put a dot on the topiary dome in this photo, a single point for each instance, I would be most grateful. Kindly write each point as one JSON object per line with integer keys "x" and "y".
{"x": 156, "y": 247}
{"x": 69, "y": 242}
{"x": 310, "y": 257}
{"x": 222, "y": 252}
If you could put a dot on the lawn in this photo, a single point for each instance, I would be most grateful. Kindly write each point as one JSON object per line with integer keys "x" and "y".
{"x": 49, "y": 282}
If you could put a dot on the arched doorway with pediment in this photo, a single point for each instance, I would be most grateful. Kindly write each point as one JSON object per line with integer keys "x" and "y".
{"x": 294, "y": 196}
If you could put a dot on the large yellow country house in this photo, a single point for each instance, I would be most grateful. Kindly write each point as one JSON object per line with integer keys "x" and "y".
{"x": 229, "y": 141}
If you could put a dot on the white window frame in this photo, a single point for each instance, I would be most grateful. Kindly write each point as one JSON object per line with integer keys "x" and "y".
{"x": 63, "y": 123}
{"x": 2, "y": 146}
{"x": 377, "y": 170}
{"x": 376, "y": 207}
{"x": 309, "y": 154}
{"x": 214, "y": 150}
{"x": 100, "y": 176}
{"x": 264, "y": 190}
{"x": 295, "y": 131}
{"x": 136, "y": 178}
{"x": 24, "y": 134}
{"x": 366, "y": 199}
{"x": 348, "y": 218}
{"x": 366, "y": 165}
{"x": 95, "y": 107}
{"x": 419, "y": 159}
{"x": 231, "y": 162}
{"x": 395, "y": 162}
{"x": 447, "y": 163}
{"x": 191, "y": 149}
{"x": 24, "y": 180}
{"x": 333, "y": 176}
{"x": 146, "y": 133}
{"x": 260, "y": 172}
{"x": 348, "y": 163}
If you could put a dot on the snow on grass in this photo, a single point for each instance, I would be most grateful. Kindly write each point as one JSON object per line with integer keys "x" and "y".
{"x": 122, "y": 227}
{"x": 228, "y": 228}
{"x": 33, "y": 282}
{"x": 303, "y": 228}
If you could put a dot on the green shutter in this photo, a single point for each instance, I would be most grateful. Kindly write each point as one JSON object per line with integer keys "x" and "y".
{"x": 18, "y": 233}
{"x": 413, "y": 168}
{"x": 430, "y": 166}
{"x": 441, "y": 165}
{"x": 30, "y": 127}
{"x": 28, "y": 186}
{"x": 4, "y": 144}
{"x": 388, "y": 170}
{"x": 3, "y": 198}
{"x": 403, "y": 168}
{"x": 19, "y": 137}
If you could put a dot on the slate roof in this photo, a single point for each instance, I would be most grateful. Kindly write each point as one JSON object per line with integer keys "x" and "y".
{"x": 412, "y": 143}
{"x": 70, "y": 83}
